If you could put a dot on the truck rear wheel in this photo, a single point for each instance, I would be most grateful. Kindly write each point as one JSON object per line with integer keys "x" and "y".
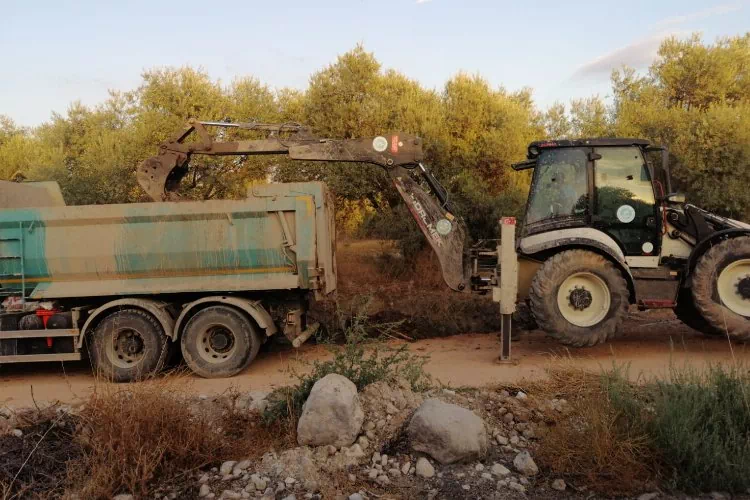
{"x": 579, "y": 298}
{"x": 721, "y": 287}
{"x": 128, "y": 345}
{"x": 219, "y": 341}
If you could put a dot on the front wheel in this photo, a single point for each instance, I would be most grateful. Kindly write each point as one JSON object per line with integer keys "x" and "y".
{"x": 721, "y": 287}
{"x": 127, "y": 345}
{"x": 579, "y": 298}
{"x": 219, "y": 341}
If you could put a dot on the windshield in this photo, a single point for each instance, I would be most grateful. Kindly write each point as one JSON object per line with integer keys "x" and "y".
{"x": 559, "y": 188}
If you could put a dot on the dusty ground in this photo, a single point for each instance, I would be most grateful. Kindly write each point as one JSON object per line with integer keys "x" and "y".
{"x": 650, "y": 342}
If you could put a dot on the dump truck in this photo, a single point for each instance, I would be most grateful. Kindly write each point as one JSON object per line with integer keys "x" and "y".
{"x": 131, "y": 283}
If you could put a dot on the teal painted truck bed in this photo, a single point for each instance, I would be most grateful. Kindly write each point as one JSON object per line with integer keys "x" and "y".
{"x": 280, "y": 237}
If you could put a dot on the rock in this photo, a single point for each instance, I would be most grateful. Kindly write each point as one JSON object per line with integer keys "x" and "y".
{"x": 17, "y": 433}
{"x": 559, "y": 485}
{"x": 508, "y": 418}
{"x": 479, "y": 467}
{"x": 363, "y": 442}
{"x": 290, "y": 497}
{"x": 243, "y": 465}
{"x": 500, "y": 470}
{"x": 369, "y": 426}
{"x": 486, "y": 475}
{"x": 260, "y": 483}
{"x": 226, "y": 467}
{"x": 204, "y": 491}
{"x": 405, "y": 468}
{"x": 501, "y": 440}
{"x": 514, "y": 440}
{"x": 289, "y": 481}
{"x": 373, "y": 474}
{"x": 355, "y": 451}
{"x": 383, "y": 459}
{"x": 376, "y": 457}
{"x": 352, "y": 477}
{"x": 649, "y": 496}
{"x": 383, "y": 480}
{"x": 424, "y": 468}
{"x": 356, "y": 496}
{"x": 517, "y": 487}
{"x": 123, "y": 496}
{"x": 521, "y": 395}
{"x": 394, "y": 472}
{"x": 230, "y": 495}
{"x": 525, "y": 464}
{"x": 332, "y": 413}
{"x": 204, "y": 478}
{"x": 447, "y": 432}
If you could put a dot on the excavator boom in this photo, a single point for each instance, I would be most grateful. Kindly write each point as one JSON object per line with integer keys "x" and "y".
{"x": 398, "y": 153}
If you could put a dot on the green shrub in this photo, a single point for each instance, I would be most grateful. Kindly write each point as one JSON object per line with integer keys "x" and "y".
{"x": 361, "y": 361}
{"x": 700, "y": 425}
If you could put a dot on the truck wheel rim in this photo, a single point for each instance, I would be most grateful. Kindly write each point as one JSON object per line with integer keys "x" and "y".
{"x": 584, "y": 299}
{"x": 126, "y": 349}
{"x": 733, "y": 286}
{"x": 216, "y": 344}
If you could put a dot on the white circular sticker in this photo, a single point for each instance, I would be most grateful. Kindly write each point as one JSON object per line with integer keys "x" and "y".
{"x": 647, "y": 247}
{"x": 380, "y": 144}
{"x": 443, "y": 226}
{"x": 626, "y": 214}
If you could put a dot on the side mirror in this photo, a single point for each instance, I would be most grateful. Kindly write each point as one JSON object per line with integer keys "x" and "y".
{"x": 675, "y": 198}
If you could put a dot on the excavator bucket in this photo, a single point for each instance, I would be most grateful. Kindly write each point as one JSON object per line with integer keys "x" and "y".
{"x": 160, "y": 175}
{"x": 445, "y": 232}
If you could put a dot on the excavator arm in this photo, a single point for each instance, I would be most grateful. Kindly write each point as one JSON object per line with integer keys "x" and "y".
{"x": 398, "y": 153}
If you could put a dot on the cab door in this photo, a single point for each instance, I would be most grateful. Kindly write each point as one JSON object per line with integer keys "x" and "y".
{"x": 624, "y": 202}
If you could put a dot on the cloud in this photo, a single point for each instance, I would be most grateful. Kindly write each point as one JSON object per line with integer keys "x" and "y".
{"x": 638, "y": 54}
{"x": 717, "y": 10}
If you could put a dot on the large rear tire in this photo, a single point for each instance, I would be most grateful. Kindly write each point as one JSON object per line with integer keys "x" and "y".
{"x": 579, "y": 297}
{"x": 721, "y": 287}
{"x": 686, "y": 312}
{"x": 128, "y": 345}
{"x": 219, "y": 341}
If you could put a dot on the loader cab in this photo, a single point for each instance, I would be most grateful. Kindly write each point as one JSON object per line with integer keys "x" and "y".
{"x": 604, "y": 184}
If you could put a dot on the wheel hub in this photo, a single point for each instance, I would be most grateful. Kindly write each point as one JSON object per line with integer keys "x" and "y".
{"x": 580, "y": 298}
{"x": 733, "y": 287}
{"x": 583, "y": 299}
{"x": 127, "y": 348}
{"x": 220, "y": 341}
{"x": 743, "y": 288}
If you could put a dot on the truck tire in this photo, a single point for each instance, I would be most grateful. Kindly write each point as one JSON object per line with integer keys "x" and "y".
{"x": 721, "y": 287}
{"x": 579, "y": 297}
{"x": 219, "y": 341}
{"x": 686, "y": 312}
{"x": 128, "y": 345}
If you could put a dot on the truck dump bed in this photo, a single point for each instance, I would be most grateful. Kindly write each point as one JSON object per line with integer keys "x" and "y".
{"x": 280, "y": 237}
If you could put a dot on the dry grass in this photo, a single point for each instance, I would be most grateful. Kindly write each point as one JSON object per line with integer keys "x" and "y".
{"x": 134, "y": 435}
{"x": 594, "y": 442}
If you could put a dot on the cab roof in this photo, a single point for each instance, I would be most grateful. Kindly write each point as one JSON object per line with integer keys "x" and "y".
{"x": 536, "y": 146}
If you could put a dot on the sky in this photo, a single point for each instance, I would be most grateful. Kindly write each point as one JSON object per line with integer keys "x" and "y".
{"x": 57, "y": 52}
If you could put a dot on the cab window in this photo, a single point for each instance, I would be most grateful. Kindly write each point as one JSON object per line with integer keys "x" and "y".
{"x": 559, "y": 189}
{"x": 624, "y": 193}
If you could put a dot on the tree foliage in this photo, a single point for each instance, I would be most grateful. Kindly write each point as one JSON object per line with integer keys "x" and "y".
{"x": 695, "y": 99}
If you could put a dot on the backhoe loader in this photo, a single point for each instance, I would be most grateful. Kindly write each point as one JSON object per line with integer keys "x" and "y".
{"x": 602, "y": 230}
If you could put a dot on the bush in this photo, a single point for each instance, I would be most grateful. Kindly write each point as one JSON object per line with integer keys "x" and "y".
{"x": 133, "y": 436}
{"x": 692, "y": 430}
{"x": 700, "y": 425}
{"x": 361, "y": 361}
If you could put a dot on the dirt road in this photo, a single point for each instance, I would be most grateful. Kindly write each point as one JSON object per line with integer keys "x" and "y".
{"x": 649, "y": 344}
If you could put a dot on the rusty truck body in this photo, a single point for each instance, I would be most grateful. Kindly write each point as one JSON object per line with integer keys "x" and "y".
{"x": 66, "y": 271}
